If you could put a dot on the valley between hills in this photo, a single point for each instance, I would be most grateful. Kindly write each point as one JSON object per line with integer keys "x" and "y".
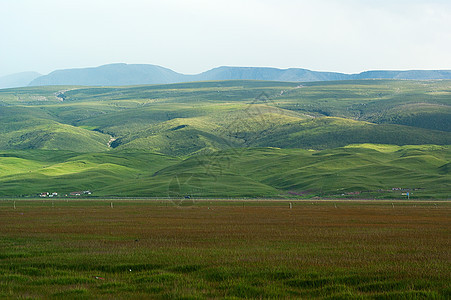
{"x": 235, "y": 138}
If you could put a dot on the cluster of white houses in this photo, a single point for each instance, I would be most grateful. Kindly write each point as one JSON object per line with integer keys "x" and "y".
{"x": 50, "y": 195}
{"x": 80, "y": 193}
{"x": 47, "y": 194}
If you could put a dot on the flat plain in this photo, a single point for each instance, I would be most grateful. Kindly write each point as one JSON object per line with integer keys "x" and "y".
{"x": 196, "y": 249}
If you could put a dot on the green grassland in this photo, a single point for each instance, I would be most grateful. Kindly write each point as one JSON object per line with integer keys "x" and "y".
{"x": 219, "y": 115}
{"x": 231, "y": 250}
{"x": 277, "y": 150}
{"x": 34, "y": 128}
{"x": 228, "y": 138}
{"x": 365, "y": 170}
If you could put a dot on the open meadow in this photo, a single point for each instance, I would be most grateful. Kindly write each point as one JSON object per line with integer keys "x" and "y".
{"x": 195, "y": 249}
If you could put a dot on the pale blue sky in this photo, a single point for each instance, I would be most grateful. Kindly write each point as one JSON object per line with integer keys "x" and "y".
{"x": 192, "y": 36}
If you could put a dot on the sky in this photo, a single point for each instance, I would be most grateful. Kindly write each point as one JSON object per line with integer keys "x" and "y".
{"x": 192, "y": 36}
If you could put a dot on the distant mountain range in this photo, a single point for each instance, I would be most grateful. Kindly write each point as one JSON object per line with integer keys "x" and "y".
{"x": 135, "y": 74}
{"x": 18, "y": 79}
{"x": 112, "y": 74}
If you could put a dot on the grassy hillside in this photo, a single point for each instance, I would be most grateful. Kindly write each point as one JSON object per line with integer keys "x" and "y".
{"x": 229, "y": 138}
{"x": 36, "y": 171}
{"x": 32, "y": 128}
{"x": 188, "y": 118}
{"x": 422, "y": 104}
{"x": 366, "y": 170}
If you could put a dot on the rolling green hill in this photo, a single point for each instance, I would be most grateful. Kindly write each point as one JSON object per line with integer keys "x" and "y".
{"x": 365, "y": 170}
{"x": 187, "y": 118}
{"x": 261, "y": 138}
{"x": 34, "y": 171}
{"x": 32, "y": 128}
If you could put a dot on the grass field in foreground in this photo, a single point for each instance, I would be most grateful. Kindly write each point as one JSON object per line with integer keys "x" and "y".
{"x": 208, "y": 249}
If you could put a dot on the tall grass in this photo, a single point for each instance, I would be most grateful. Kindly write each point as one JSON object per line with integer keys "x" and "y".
{"x": 215, "y": 250}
